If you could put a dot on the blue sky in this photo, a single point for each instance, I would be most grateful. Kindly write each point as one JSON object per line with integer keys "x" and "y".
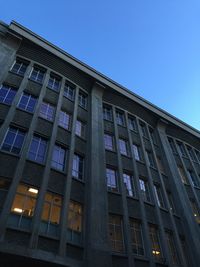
{"x": 152, "y": 47}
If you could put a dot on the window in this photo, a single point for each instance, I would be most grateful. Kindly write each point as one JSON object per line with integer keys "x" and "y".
{"x": 195, "y": 211}
{"x": 54, "y": 82}
{"x": 128, "y": 182}
{"x": 193, "y": 178}
{"x": 27, "y": 102}
{"x": 191, "y": 153}
{"x": 37, "y": 149}
{"x": 7, "y": 94}
{"x": 136, "y": 152}
{"x": 123, "y": 147}
{"x": 197, "y": 154}
{"x": 120, "y": 118}
{"x": 150, "y": 159}
{"x": 144, "y": 188}
{"x": 153, "y": 136}
{"x": 182, "y": 175}
{"x": 107, "y": 113}
{"x": 47, "y": 111}
{"x": 78, "y": 167}
{"x": 155, "y": 242}
{"x": 159, "y": 196}
{"x": 172, "y": 248}
{"x": 75, "y": 221}
{"x": 160, "y": 164}
{"x": 108, "y": 142}
{"x": 116, "y": 233}
{"x": 181, "y": 149}
{"x": 132, "y": 124}
{"x": 136, "y": 237}
{"x": 24, "y": 203}
{"x": 69, "y": 92}
{"x": 82, "y": 100}
{"x": 13, "y": 140}
{"x": 58, "y": 158}
{"x": 37, "y": 74}
{"x": 144, "y": 130}
{"x": 4, "y": 186}
{"x": 51, "y": 214}
{"x": 172, "y": 145}
{"x": 111, "y": 177}
{"x": 64, "y": 120}
{"x": 19, "y": 67}
{"x": 80, "y": 128}
{"x": 171, "y": 202}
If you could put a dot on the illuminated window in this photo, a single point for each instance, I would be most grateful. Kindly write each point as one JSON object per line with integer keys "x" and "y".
{"x": 78, "y": 167}
{"x": 116, "y": 233}
{"x": 47, "y": 111}
{"x": 19, "y": 67}
{"x": 108, "y": 142}
{"x": 144, "y": 189}
{"x": 111, "y": 177}
{"x": 7, "y": 94}
{"x": 172, "y": 248}
{"x": 37, "y": 74}
{"x": 54, "y": 82}
{"x": 155, "y": 242}
{"x": 128, "y": 182}
{"x": 64, "y": 120}
{"x": 136, "y": 237}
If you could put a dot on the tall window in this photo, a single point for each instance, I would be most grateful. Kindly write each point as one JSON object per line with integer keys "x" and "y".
{"x": 193, "y": 178}
{"x": 144, "y": 130}
{"x": 13, "y": 140}
{"x": 155, "y": 242}
{"x": 153, "y": 136}
{"x": 198, "y": 155}
{"x": 78, "y": 167}
{"x": 37, "y": 74}
{"x": 132, "y": 124}
{"x": 4, "y": 186}
{"x": 111, "y": 177}
{"x": 27, "y": 102}
{"x": 123, "y": 147}
{"x": 191, "y": 153}
{"x": 24, "y": 203}
{"x": 171, "y": 202}
{"x": 58, "y": 158}
{"x": 181, "y": 149}
{"x": 80, "y": 128}
{"x": 136, "y": 152}
{"x": 82, "y": 100}
{"x": 37, "y": 149}
{"x": 182, "y": 175}
{"x": 19, "y": 67}
{"x": 75, "y": 218}
{"x": 54, "y": 82}
{"x": 51, "y": 214}
{"x": 69, "y": 92}
{"x": 64, "y": 120}
{"x": 120, "y": 118}
{"x": 160, "y": 164}
{"x": 172, "y": 145}
{"x": 7, "y": 94}
{"x": 116, "y": 233}
{"x": 172, "y": 248}
{"x": 144, "y": 188}
{"x": 195, "y": 211}
{"x": 136, "y": 237}
{"x": 108, "y": 142}
{"x": 150, "y": 159}
{"x": 107, "y": 113}
{"x": 159, "y": 196}
{"x": 128, "y": 182}
{"x": 47, "y": 111}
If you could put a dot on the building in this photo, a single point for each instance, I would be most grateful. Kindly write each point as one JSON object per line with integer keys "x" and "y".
{"x": 90, "y": 173}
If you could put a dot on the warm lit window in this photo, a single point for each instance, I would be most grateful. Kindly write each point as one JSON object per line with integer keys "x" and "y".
{"x": 195, "y": 211}
{"x": 80, "y": 128}
{"x": 13, "y": 140}
{"x": 58, "y": 158}
{"x": 193, "y": 178}
{"x": 47, "y": 111}
{"x": 64, "y": 120}
{"x": 172, "y": 248}
{"x": 4, "y": 186}
{"x": 128, "y": 182}
{"x": 107, "y": 113}
{"x": 159, "y": 196}
{"x": 136, "y": 237}
{"x": 155, "y": 242}
{"x": 7, "y": 94}
{"x": 182, "y": 175}
{"x": 111, "y": 177}
{"x": 37, "y": 74}
{"x": 78, "y": 167}
{"x": 69, "y": 92}
{"x": 19, "y": 67}
{"x": 27, "y": 102}
{"x": 144, "y": 188}
{"x": 108, "y": 142}
{"x": 132, "y": 124}
{"x": 150, "y": 159}
{"x": 54, "y": 82}
{"x": 120, "y": 118}
{"x": 123, "y": 147}
{"x": 37, "y": 150}
{"x": 116, "y": 233}
{"x": 82, "y": 100}
{"x": 136, "y": 152}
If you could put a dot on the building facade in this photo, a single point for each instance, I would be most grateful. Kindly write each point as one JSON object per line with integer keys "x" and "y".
{"x": 90, "y": 173}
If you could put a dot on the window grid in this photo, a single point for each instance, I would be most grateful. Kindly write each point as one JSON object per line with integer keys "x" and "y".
{"x": 64, "y": 120}
{"x": 19, "y": 67}
{"x": 108, "y": 142}
{"x": 193, "y": 178}
{"x": 182, "y": 175}
{"x": 123, "y": 147}
{"x": 159, "y": 196}
{"x": 82, "y": 100}
{"x": 58, "y": 158}
{"x": 128, "y": 182}
{"x": 75, "y": 217}
{"x": 69, "y": 92}
{"x": 120, "y": 118}
{"x": 80, "y": 128}
{"x": 172, "y": 249}
{"x": 37, "y": 150}
{"x": 78, "y": 167}
{"x": 27, "y": 102}
{"x": 111, "y": 177}
{"x": 144, "y": 188}
{"x": 132, "y": 124}
{"x": 116, "y": 233}
{"x": 107, "y": 113}
{"x": 136, "y": 237}
{"x": 47, "y": 111}
{"x": 155, "y": 242}
{"x": 7, "y": 94}
{"x": 54, "y": 83}
{"x": 150, "y": 159}
{"x": 37, "y": 74}
{"x": 136, "y": 152}
{"x": 172, "y": 145}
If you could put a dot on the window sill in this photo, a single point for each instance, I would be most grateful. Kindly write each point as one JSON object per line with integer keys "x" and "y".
{"x": 126, "y": 156}
{"x": 78, "y": 180}
{"x": 6, "y": 104}
{"x": 61, "y": 127}
{"x": 80, "y": 245}
{"x": 37, "y": 82}
{"x": 108, "y": 120}
{"x": 134, "y": 131}
{"x": 149, "y": 203}
{"x": 17, "y": 74}
{"x": 10, "y": 153}
{"x": 36, "y": 162}
{"x": 51, "y": 121}
{"x": 113, "y": 192}
{"x": 26, "y": 111}
{"x": 81, "y": 137}
{"x": 109, "y": 150}
{"x": 141, "y": 257}
{"x": 57, "y": 170}
{"x": 84, "y": 108}
{"x": 119, "y": 254}
{"x": 71, "y": 100}
{"x": 52, "y": 89}
{"x": 132, "y": 197}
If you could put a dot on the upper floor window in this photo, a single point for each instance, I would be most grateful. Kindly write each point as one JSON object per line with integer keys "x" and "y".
{"x": 7, "y": 94}
{"x": 27, "y": 102}
{"x": 37, "y": 74}
{"x": 144, "y": 130}
{"x": 193, "y": 178}
{"x": 136, "y": 152}
{"x": 69, "y": 91}
{"x": 181, "y": 149}
{"x": 120, "y": 118}
{"x": 160, "y": 164}
{"x": 172, "y": 145}
{"x": 116, "y": 233}
{"x": 80, "y": 128}
{"x": 153, "y": 136}
{"x": 182, "y": 175}
{"x": 19, "y": 67}
{"x": 37, "y": 149}
{"x": 132, "y": 124}
{"x": 78, "y": 167}
{"x": 195, "y": 211}
{"x": 172, "y": 248}
{"x": 64, "y": 120}
{"x": 197, "y": 154}
{"x": 111, "y": 177}
{"x": 4, "y": 187}
{"x": 47, "y": 111}
{"x": 171, "y": 202}
{"x": 107, "y": 113}
{"x": 123, "y": 147}
{"x": 82, "y": 100}
{"x": 13, "y": 140}
{"x": 58, "y": 158}
{"x": 54, "y": 82}
{"x": 108, "y": 142}
{"x": 159, "y": 196}
{"x": 136, "y": 237}
{"x": 144, "y": 188}
{"x": 191, "y": 153}
{"x": 155, "y": 242}
{"x": 150, "y": 159}
{"x": 128, "y": 182}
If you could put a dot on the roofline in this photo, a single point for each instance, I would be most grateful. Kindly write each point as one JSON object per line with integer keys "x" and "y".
{"x": 18, "y": 28}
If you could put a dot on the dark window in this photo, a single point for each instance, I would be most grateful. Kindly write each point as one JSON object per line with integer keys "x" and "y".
{"x": 136, "y": 152}
{"x": 132, "y": 124}
{"x": 108, "y": 142}
{"x": 193, "y": 178}
{"x": 172, "y": 145}
{"x": 159, "y": 196}
{"x": 64, "y": 120}
{"x": 144, "y": 130}
{"x": 128, "y": 182}
{"x": 19, "y": 67}
{"x": 172, "y": 248}
{"x": 80, "y": 128}
{"x": 160, "y": 164}
{"x": 37, "y": 150}
{"x": 191, "y": 153}
{"x": 153, "y": 136}
{"x": 69, "y": 92}
{"x": 198, "y": 155}
{"x": 58, "y": 158}
{"x": 82, "y": 100}
{"x": 116, "y": 233}
{"x": 144, "y": 188}
{"x": 111, "y": 177}
{"x": 120, "y": 118}
{"x": 54, "y": 83}
{"x": 27, "y": 102}
{"x": 37, "y": 74}
{"x": 47, "y": 111}
{"x": 150, "y": 159}
{"x": 13, "y": 140}
{"x": 7, "y": 94}
{"x": 181, "y": 149}
{"x": 4, "y": 186}
{"x": 107, "y": 113}
{"x": 136, "y": 237}
{"x": 182, "y": 175}
{"x": 123, "y": 147}
{"x": 171, "y": 202}
{"x": 78, "y": 167}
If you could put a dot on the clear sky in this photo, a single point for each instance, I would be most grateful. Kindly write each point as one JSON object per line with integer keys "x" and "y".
{"x": 152, "y": 47}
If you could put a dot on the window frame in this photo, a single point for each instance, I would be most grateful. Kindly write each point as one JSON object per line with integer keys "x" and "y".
{"x": 30, "y": 97}
{"x": 10, "y": 89}
{"x": 110, "y": 174}
{"x": 82, "y": 100}
{"x": 76, "y": 172}
{"x": 55, "y": 163}
{"x": 22, "y": 63}
{"x": 42, "y": 141}
{"x": 39, "y": 72}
